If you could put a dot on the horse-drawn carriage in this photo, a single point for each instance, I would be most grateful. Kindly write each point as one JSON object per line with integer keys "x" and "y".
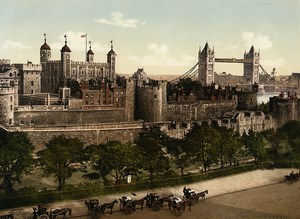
{"x": 126, "y": 205}
{"x": 154, "y": 201}
{"x": 292, "y": 177}
{"x": 41, "y": 212}
{"x": 94, "y": 208}
{"x": 176, "y": 205}
{"x": 192, "y": 196}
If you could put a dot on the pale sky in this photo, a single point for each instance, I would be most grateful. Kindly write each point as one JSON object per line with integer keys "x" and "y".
{"x": 161, "y": 36}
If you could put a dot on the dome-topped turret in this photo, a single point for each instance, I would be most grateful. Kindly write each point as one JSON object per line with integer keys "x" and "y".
{"x": 45, "y": 46}
{"x": 111, "y": 52}
{"x": 90, "y": 52}
{"x": 65, "y": 48}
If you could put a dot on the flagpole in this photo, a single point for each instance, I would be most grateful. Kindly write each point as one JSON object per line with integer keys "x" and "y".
{"x": 85, "y": 45}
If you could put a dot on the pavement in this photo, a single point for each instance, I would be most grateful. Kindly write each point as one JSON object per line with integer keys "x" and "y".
{"x": 215, "y": 187}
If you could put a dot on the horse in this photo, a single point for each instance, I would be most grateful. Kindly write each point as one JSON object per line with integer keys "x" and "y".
{"x": 139, "y": 202}
{"x": 60, "y": 212}
{"x": 202, "y": 195}
{"x": 108, "y": 205}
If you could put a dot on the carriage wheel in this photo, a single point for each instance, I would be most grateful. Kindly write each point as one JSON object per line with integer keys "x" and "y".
{"x": 43, "y": 216}
{"x": 128, "y": 209}
{"x": 156, "y": 206}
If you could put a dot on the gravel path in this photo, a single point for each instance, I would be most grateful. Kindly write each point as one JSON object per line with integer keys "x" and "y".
{"x": 256, "y": 194}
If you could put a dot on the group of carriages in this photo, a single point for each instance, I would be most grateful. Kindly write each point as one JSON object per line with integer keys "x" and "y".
{"x": 126, "y": 204}
{"x": 292, "y": 177}
{"x": 152, "y": 200}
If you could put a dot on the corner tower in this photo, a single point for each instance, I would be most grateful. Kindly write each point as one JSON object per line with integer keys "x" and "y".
{"x": 45, "y": 52}
{"x": 206, "y": 65}
{"x": 251, "y": 66}
{"x": 111, "y": 60}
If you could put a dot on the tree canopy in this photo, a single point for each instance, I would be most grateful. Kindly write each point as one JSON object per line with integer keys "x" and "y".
{"x": 59, "y": 157}
{"x": 15, "y": 158}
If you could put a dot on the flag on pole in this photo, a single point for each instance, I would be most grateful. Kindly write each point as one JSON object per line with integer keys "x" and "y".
{"x": 83, "y": 36}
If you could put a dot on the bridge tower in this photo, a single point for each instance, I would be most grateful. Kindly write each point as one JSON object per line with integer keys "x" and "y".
{"x": 251, "y": 66}
{"x": 206, "y": 65}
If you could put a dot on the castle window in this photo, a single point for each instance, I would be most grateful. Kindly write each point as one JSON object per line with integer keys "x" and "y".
{"x": 11, "y": 107}
{"x": 98, "y": 102}
{"x": 240, "y": 98}
{"x": 32, "y": 83}
{"x": 11, "y": 99}
{"x": 122, "y": 93}
{"x": 32, "y": 91}
{"x": 31, "y": 122}
{"x": 92, "y": 102}
{"x": 117, "y": 99}
{"x": 10, "y": 74}
{"x": 21, "y": 122}
{"x": 92, "y": 95}
{"x": 87, "y": 96}
{"x": 10, "y": 121}
{"x": 117, "y": 93}
{"x": 73, "y": 72}
{"x": 155, "y": 96}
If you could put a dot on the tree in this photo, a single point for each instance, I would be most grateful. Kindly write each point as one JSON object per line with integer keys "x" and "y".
{"x": 292, "y": 130}
{"x": 277, "y": 141}
{"x": 15, "y": 157}
{"x": 180, "y": 152}
{"x": 151, "y": 142}
{"x": 254, "y": 142}
{"x": 228, "y": 146}
{"x": 204, "y": 140}
{"x": 59, "y": 157}
{"x": 115, "y": 159}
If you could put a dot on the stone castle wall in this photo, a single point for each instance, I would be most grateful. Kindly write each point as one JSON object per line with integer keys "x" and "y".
{"x": 89, "y": 134}
{"x": 200, "y": 110}
{"x": 68, "y": 117}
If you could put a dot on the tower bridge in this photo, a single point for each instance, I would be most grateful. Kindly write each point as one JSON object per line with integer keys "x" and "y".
{"x": 203, "y": 70}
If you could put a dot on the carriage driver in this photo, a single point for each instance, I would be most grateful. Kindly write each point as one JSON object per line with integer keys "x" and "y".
{"x": 174, "y": 200}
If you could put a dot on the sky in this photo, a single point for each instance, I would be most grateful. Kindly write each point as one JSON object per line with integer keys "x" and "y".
{"x": 161, "y": 36}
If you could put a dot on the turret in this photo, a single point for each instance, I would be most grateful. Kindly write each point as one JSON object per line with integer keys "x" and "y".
{"x": 251, "y": 66}
{"x": 65, "y": 60}
{"x": 45, "y": 51}
{"x": 90, "y": 54}
{"x": 111, "y": 60}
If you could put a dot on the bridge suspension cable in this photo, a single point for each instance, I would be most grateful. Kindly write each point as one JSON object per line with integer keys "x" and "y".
{"x": 186, "y": 74}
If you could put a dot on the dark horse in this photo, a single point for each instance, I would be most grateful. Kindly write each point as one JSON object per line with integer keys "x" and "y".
{"x": 139, "y": 202}
{"x": 108, "y": 205}
{"x": 60, "y": 212}
{"x": 202, "y": 195}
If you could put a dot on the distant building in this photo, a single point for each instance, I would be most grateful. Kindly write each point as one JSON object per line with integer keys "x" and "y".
{"x": 55, "y": 72}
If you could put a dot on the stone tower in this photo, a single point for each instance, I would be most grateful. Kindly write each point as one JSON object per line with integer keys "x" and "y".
{"x": 65, "y": 61}
{"x": 206, "y": 65}
{"x": 45, "y": 52}
{"x": 111, "y": 60}
{"x": 251, "y": 66}
{"x": 90, "y": 54}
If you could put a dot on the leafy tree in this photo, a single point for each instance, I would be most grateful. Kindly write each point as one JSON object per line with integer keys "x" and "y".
{"x": 204, "y": 140}
{"x": 228, "y": 145}
{"x": 254, "y": 142}
{"x": 15, "y": 157}
{"x": 180, "y": 152}
{"x": 151, "y": 143}
{"x": 115, "y": 159}
{"x": 292, "y": 130}
{"x": 59, "y": 157}
{"x": 277, "y": 141}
